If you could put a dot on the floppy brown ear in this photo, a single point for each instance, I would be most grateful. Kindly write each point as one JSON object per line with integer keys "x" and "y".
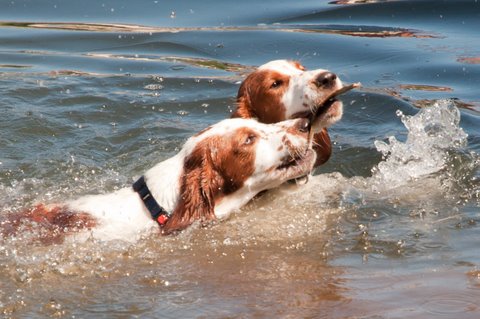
{"x": 322, "y": 146}
{"x": 199, "y": 183}
{"x": 244, "y": 104}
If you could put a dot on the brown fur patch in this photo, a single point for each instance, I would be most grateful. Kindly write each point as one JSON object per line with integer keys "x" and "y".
{"x": 260, "y": 96}
{"x": 218, "y": 166}
{"x": 55, "y": 222}
{"x": 299, "y": 66}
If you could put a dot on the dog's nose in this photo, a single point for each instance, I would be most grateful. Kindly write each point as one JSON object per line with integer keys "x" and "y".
{"x": 325, "y": 79}
{"x": 303, "y": 125}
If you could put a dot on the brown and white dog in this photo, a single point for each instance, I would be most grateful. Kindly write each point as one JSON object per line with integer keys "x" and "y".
{"x": 216, "y": 172}
{"x": 282, "y": 89}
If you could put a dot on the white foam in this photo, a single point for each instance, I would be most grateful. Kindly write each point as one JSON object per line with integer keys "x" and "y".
{"x": 431, "y": 133}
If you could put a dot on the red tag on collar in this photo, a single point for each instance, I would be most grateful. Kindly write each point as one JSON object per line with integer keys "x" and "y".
{"x": 162, "y": 219}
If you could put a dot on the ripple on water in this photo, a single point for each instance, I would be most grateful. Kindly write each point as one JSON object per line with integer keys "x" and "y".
{"x": 451, "y": 304}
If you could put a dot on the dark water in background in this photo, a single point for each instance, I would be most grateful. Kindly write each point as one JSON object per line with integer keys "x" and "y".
{"x": 95, "y": 92}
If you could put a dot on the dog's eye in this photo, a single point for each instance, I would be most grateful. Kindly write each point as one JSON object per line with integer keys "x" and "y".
{"x": 276, "y": 84}
{"x": 249, "y": 140}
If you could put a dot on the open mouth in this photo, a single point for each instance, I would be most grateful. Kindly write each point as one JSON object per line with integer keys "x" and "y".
{"x": 289, "y": 162}
{"x": 329, "y": 100}
{"x": 324, "y": 105}
{"x": 317, "y": 111}
{"x": 299, "y": 164}
{"x": 327, "y": 103}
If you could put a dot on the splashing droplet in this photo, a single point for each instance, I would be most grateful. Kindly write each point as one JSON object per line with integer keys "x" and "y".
{"x": 431, "y": 133}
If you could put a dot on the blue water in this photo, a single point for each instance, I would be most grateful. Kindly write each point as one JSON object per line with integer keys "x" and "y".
{"x": 94, "y": 93}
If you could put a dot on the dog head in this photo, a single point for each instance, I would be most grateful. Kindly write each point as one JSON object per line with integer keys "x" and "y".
{"x": 281, "y": 89}
{"x": 227, "y": 164}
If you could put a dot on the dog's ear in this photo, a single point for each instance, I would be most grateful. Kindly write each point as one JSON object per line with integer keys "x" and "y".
{"x": 199, "y": 183}
{"x": 244, "y": 104}
{"x": 322, "y": 146}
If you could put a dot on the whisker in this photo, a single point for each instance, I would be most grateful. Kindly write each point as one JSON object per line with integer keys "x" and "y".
{"x": 317, "y": 144}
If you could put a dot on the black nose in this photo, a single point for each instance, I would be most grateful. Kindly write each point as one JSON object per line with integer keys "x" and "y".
{"x": 303, "y": 125}
{"x": 325, "y": 79}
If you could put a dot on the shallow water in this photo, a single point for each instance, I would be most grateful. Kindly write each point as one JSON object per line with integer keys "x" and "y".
{"x": 94, "y": 93}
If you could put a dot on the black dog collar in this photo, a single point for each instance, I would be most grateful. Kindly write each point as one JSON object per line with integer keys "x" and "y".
{"x": 159, "y": 214}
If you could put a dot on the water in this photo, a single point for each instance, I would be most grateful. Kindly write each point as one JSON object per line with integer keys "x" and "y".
{"x": 94, "y": 93}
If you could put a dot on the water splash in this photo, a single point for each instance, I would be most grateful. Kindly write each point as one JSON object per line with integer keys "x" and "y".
{"x": 408, "y": 168}
{"x": 432, "y": 132}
